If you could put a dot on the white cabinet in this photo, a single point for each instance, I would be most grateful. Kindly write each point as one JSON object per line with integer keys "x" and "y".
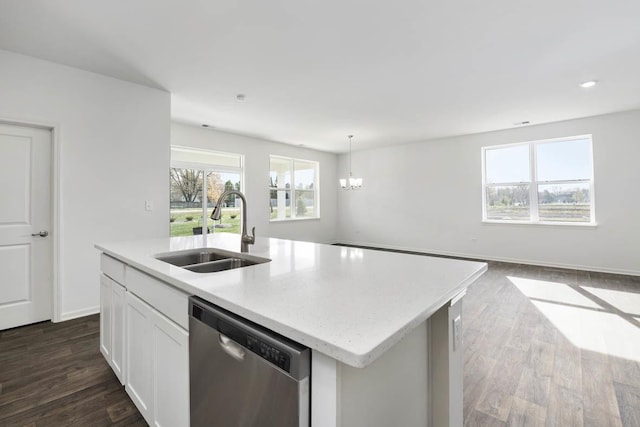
{"x": 171, "y": 373}
{"x": 105, "y": 317}
{"x": 139, "y": 345}
{"x": 143, "y": 336}
{"x": 158, "y": 365}
{"x": 112, "y": 323}
{"x": 163, "y": 297}
{"x": 118, "y": 323}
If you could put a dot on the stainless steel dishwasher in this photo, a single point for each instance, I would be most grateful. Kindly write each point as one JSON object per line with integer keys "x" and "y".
{"x": 243, "y": 375}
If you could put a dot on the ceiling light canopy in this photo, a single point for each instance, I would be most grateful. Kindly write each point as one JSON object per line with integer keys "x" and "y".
{"x": 588, "y": 84}
{"x": 350, "y": 183}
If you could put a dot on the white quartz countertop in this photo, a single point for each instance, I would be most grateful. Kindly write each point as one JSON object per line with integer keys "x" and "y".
{"x": 351, "y": 304}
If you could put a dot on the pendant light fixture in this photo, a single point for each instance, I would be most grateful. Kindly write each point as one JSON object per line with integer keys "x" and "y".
{"x": 351, "y": 183}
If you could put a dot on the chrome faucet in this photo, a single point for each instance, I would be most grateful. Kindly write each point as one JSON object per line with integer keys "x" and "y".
{"x": 217, "y": 213}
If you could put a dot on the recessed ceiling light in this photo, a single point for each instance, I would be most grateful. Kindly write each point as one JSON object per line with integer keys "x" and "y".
{"x": 588, "y": 84}
{"x": 241, "y": 97}
{"x": 204, "y": 125}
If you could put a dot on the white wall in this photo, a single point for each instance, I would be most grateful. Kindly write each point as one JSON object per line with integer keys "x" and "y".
{"x": 113, "y": 140}
{"x": 427, "y": 197}
{"x": 256, "y": 184}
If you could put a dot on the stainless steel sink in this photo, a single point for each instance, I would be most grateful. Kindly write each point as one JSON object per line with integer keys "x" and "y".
{"x": 190, "y": 257}
{"x": 220, "y": 265}
{"x": 209, "y": 260}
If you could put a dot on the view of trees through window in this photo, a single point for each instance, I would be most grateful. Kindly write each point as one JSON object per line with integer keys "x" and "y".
{"x": 292, "y": 179}
{"x": 546, "y": 181}
{"x": 187, "y": 187}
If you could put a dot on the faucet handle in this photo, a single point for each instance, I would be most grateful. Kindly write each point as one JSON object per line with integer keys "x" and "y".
{"x": 250, "y": 239}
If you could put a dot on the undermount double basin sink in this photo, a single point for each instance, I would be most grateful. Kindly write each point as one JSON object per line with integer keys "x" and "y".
{"x": 209, "y": 260}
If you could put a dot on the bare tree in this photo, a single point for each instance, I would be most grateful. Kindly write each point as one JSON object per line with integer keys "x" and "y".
{"x": 187, "y": 183}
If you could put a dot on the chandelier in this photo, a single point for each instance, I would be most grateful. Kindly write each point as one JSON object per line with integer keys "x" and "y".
{"x": 350, "y": 183}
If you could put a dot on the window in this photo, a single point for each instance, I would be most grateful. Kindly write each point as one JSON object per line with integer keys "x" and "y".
{"x": 293, "y": 180}
{"x": 189, "y": 167}
{"x": 539, "y": 182}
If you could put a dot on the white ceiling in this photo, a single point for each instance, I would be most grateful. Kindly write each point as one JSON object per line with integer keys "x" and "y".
{"x": 315, "y": 71}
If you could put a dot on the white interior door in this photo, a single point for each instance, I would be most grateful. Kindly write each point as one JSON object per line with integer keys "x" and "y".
{"x": 25, "y": 221}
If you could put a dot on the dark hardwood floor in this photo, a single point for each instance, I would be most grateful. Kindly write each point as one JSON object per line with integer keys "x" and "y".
{"x": 52, "y": 374}
{"x": 543, "y": 347}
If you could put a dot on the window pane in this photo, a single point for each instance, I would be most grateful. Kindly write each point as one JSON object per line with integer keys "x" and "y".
{"x": 292, "y": 188}
{"x": 305, "y": 174}
{"x": 215, "y": 187}
{"x": 565, "y": 160}
{"x": 305, "y": 204}
{"x": 280, "y": 172}
{"x": 280, "y": 204}
{"x": 185, "y": 197}
{"x": 217, "y": 183}
{"x": 564, "y": 202}
{"x": 508, "y": 202}
{"x": 509, "y": 164}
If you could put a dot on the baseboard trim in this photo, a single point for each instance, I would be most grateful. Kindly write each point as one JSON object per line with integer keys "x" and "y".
{"x": 79, "y": 313}
{"x": 476, "y": 257}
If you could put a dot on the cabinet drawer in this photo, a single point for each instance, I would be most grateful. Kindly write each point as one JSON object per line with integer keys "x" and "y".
{"x": 163, "y": 297}
{"x": 112, "y": 268}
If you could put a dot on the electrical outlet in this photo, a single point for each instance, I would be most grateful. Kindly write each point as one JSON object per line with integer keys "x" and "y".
{"x": 457, "y": 333}
{"x": 148, "y": 205}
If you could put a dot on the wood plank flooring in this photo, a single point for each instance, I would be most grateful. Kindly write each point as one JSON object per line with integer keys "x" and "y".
{"x": 539, "y": 350}
{"x": 523, "y": 367}
{"x": 52, "y": 374}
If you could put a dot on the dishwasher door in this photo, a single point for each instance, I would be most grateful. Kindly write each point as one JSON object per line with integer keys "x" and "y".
{"x": 243, "y": 375}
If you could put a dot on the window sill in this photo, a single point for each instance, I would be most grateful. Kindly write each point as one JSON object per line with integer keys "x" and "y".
{"x": 543, "y": 223}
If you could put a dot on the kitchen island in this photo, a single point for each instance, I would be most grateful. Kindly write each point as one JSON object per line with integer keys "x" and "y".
{"x": 383, "y": 327}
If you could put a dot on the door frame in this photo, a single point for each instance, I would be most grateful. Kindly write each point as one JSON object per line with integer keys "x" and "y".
{"x": 54, "y": 233}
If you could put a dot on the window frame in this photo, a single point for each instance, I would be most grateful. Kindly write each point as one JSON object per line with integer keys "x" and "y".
{"x": 294, "y": 190}
{"x": 205, "y": 168}
{"x": 534, "y": 182}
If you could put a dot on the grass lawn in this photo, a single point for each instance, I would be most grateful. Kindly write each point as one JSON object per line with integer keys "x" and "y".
{"x": 562, "y": 212}
{"x": 181, "y": 226}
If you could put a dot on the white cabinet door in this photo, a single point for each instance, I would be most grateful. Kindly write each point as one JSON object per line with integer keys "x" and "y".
{"x": 139, "y": 350}
{"x": 157, "y": 365}
{"x": 171, "y": 373}
{"x": 118, "y": 330}
{"x": 105, "y": 317}
{"x": 112, "y": 324}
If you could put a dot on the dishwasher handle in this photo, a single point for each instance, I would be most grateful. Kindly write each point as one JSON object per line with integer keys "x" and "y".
{"x": 232, "y": 348}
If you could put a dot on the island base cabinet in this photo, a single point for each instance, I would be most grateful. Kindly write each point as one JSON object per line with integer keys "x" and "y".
{"x": 157, "y": 365}
{"x": 112, "y": 321}
{"x": 171, "y": 373}
{"x": 105, "y": 317}
{"x": 416, "y": 383}
{"x": 447, "y": 364}
{"x": 139, "y": 354}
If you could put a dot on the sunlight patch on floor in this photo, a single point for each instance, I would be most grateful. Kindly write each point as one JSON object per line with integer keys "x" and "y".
{"x": 624, "y": 301}
{"x": 551, "y": 291}
{"x": 584, "y": 322}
